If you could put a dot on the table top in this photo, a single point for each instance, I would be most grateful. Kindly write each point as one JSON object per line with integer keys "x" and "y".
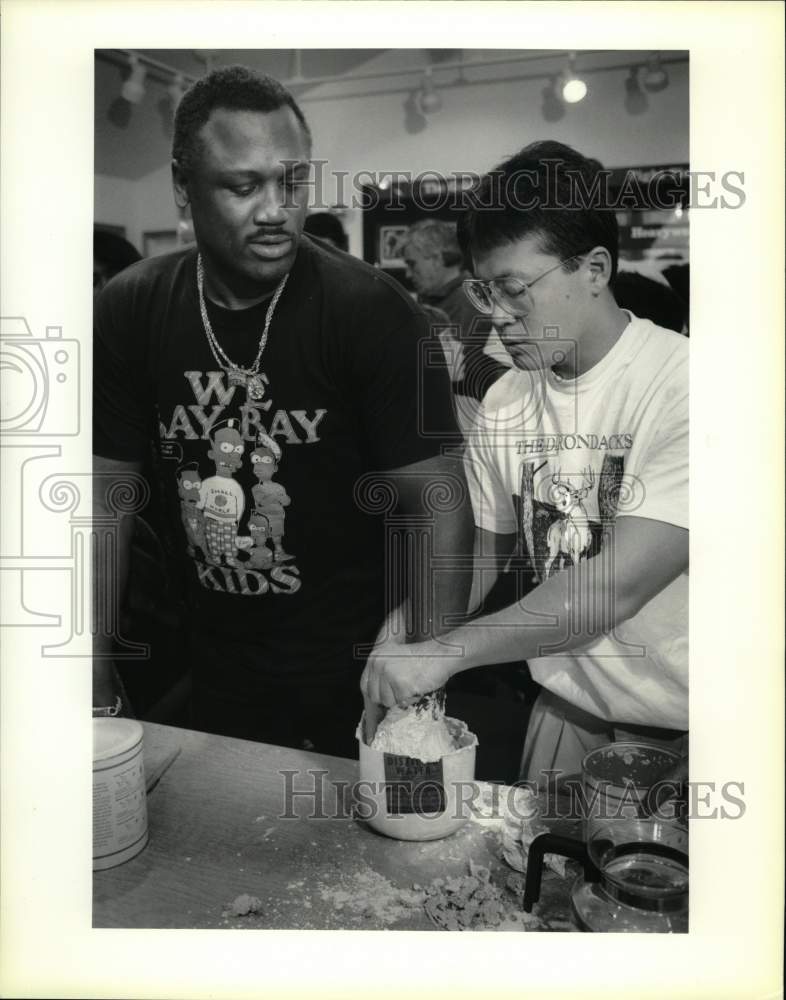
{"x": 220, "y": 827}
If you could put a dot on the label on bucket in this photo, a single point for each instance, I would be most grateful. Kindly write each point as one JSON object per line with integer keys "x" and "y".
{"x": 412, "y": 786}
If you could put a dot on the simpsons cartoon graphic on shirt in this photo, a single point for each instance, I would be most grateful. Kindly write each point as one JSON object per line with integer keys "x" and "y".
{"x": 188, "y": 486}
{"x": 234, "y": 514}
{"x": 270, "y": 498}
{"x": 221, "y": 499}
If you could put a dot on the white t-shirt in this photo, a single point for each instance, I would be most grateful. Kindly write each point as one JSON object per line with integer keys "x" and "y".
{"x": 553, "y": 461}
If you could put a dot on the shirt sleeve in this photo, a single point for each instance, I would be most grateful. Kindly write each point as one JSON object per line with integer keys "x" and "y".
{"x": 122, "y": 397}
{"x": 405, "y": 402}
{"x": 492, "y": 498}
{"x": 660, "y": 483}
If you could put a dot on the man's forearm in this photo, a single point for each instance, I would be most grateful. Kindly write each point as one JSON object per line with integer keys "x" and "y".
{"x": 433, "y": 555}
{"x": 568, "y": 611}
{"x": 453, "y": 537}
{"x": 576, "y": 606}
{"x": 110, "y": 576}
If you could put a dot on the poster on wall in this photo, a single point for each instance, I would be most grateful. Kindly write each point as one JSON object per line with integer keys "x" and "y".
{"x": 391, "y": 240}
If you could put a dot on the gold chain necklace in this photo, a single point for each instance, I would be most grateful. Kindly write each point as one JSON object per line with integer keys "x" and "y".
{"x": 249, "y": 378}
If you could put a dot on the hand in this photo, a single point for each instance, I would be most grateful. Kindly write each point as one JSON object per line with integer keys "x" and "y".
{"x": 107, "y": 687}
{"x": 398, "y": 674}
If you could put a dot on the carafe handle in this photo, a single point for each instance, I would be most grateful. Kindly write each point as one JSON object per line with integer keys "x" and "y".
{"x": 553, "y": 843}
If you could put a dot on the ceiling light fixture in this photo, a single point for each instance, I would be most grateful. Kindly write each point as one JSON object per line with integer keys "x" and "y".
{"x": 176, "y": 89}
{"x": 428, "y": 99}
{"x": 635, "y": 99}
{"x": 574, "y": 89}
{"x": 656, "y": 78}
{"x": 553, "y": 107}
{"x": 133, "y": 90}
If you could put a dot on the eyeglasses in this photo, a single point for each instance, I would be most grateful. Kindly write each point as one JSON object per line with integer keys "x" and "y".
{"x": 511, "y": 293}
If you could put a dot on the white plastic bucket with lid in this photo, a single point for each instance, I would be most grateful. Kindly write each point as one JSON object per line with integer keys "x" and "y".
{"x": 119, "y": 797}
{"x": 408, "y": 799}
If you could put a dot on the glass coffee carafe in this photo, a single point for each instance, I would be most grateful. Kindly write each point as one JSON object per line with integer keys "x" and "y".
{"x": 635, "y": 864}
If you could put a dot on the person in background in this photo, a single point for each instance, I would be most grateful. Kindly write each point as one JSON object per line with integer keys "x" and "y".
{"x": 434, "y": 264}
{"x": 112, "y": 253}
{"x": 650, "y": 299}
{"x": 253, "y": 336}
{"x": 678, "y": 277}
{"x": 327, "y": 227}
{"x": 579, "y": 464}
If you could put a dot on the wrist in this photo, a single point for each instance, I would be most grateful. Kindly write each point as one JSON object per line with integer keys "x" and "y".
{"x": 452, "y": 649}
{"x": 109, "y": 711}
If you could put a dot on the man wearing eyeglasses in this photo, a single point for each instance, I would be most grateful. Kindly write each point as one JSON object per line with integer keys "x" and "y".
{"x": 578, "y": 465}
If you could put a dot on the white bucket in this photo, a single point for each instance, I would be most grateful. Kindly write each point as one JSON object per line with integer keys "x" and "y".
{"x": 408, "y": 799}
{"x": 119, "y": 797}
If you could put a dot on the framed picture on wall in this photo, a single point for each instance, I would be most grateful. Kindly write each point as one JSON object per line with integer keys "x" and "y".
{"x": 105, "y": 227}
{"x": 391, "y": 239}
{"x": 158, "y": 241}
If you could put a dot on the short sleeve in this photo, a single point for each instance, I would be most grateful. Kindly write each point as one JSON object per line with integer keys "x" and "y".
{"x": 660, "y": 466}
{"x": 122, "y": 400}
{"x": 492, "y": 498}
{"x": 404, "y": 395}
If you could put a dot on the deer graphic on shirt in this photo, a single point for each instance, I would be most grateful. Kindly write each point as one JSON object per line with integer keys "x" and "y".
{"x": 570, "y": 535}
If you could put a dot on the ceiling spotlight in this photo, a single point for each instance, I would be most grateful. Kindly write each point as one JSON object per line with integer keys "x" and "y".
{"x": 553, "y": 108}
{"x": 656, "y": 78}
{"x": 574, "y": 89}
{"x": 176, "y": 89}
{"x": 635, "y": 99}
{"x": 133, "y": 90}
{"x": 428, "y": 99}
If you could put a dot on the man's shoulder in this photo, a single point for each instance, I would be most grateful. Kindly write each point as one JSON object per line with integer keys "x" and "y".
{"x": 150, "y": 274}
{"x": 350, "y": 282}
{"x": 659, "y": 342}
{"x": 660, "y": 359}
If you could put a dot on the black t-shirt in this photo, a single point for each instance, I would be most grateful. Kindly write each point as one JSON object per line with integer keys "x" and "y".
{"x": 281, "y": 546}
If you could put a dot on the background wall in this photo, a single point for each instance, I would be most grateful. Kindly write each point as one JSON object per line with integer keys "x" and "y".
{"x": 358, "y": 124}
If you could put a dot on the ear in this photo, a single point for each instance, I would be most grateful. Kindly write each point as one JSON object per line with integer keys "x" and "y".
{"x": 599, "y": 269}
{"x": 180, "y": 185}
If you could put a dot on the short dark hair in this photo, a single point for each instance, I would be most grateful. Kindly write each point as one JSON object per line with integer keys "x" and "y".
{"x": 649, "y": 299}
{"x": 234, "y": 88}
{"x": 326, "y": 226}
{"x": 113, "y": 251}
{"x": 538, "y": 192}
